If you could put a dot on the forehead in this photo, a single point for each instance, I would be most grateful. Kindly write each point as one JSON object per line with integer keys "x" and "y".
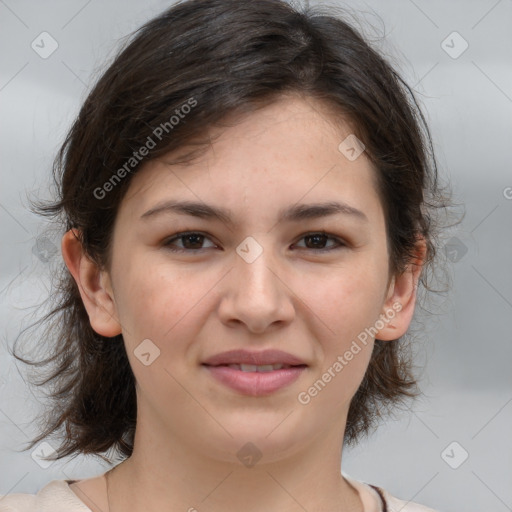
{"x": 281, "y": 153}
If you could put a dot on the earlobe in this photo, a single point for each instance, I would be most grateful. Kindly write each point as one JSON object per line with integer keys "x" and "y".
{"x": 400, "y": 302}
{"x": 94, "y": 285}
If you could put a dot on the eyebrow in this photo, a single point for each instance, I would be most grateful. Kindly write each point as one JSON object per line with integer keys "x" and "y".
{"x": 295, "y": 213}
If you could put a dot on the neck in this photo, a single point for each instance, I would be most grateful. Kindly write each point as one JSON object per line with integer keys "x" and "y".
{"x": 168, "y": 475}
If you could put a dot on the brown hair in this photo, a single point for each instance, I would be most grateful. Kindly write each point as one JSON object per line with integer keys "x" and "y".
{"x": 221, "y": 57}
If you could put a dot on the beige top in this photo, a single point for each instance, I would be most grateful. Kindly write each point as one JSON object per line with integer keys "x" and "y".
{"x": 57, "y": 496}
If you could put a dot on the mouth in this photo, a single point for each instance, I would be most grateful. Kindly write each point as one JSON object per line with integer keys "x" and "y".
{"x": 263, "y": 368}
{"x": 249, "y": 359}
{"x": 255, "y": 373}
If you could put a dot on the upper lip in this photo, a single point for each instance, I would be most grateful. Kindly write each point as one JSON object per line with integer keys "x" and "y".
{"x": 255, "y": 358}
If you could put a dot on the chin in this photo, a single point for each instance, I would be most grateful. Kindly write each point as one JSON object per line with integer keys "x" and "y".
{"x": 256, "y": 442}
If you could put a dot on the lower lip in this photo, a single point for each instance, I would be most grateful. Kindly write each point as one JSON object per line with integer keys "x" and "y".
{"x": 255, "y": 383}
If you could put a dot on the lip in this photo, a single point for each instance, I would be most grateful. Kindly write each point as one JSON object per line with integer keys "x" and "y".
{"x": 241, "y": 356}
{"x": 254, "y": 383}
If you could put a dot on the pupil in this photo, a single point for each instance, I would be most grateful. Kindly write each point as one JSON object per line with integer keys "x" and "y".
{"x": 316, "y": 238}
{"x": 196, "y": 237}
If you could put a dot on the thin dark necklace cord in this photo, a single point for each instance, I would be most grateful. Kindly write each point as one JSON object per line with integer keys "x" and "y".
{"x": 382, "y": 499}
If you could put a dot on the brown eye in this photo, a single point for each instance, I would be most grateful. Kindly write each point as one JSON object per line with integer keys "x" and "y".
{"x": 191, "y": 242}
{"x": 317, "y": 242}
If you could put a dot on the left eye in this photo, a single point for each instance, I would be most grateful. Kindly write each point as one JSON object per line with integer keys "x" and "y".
{"x": 192, "y": 242}
{"x": 320, "y": 239}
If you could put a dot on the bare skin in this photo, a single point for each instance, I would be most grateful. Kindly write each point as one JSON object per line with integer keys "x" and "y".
{"x": 93, "y": 492}
{"x": 192, "y": 305}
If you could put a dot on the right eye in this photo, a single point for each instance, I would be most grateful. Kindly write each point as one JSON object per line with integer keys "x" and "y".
{"x": 190, "y": 241}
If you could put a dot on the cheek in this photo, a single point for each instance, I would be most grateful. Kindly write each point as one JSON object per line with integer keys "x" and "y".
{"x": 348, "y": 301}
{"x": 164, "y": 305}
{"x": 149, "y": 300}
{"x": 158, "y": 312}
{"x": 348, "y": 307}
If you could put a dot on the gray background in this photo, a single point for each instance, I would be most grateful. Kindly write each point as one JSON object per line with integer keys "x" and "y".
{"x": 466, "y": 348}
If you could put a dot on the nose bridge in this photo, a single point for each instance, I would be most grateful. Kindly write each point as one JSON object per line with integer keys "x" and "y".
{"x": 253, "y": 266}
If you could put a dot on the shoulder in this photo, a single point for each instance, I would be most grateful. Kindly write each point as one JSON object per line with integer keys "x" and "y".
{"x": 376, "y": 499}
{"x": 55, "y": 496}
{"x": 397, "y": 505}
{"x": 18, "y": 502}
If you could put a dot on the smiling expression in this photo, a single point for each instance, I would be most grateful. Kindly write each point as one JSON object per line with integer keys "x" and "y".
{"x": 271, "y": 240}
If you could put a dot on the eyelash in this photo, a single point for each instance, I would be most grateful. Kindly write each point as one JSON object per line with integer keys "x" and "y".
{"x": 177, "y": 236}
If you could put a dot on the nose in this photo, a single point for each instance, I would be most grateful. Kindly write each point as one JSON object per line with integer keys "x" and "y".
{"x": 256, "y": 294}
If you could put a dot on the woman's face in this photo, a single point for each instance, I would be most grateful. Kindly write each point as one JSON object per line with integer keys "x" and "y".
{"x": 260, "y": 282}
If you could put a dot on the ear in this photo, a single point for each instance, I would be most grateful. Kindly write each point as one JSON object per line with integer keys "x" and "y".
{"x": 94, "y": 285}
{"x": 398, "y": 308}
